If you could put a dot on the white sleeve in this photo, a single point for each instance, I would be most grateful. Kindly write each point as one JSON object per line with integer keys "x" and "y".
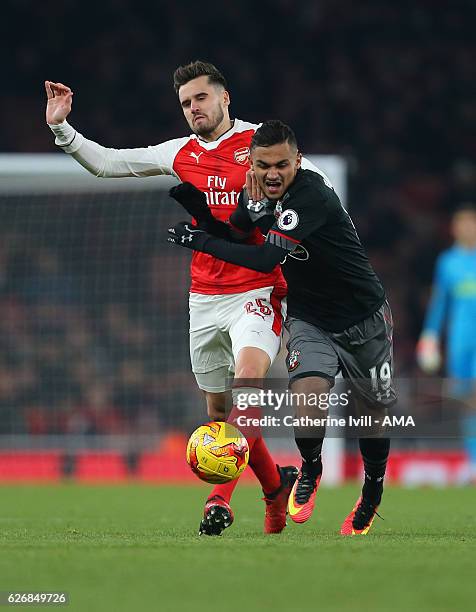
{"x": 113, "y": 163}
{"x": 307, "y": 165}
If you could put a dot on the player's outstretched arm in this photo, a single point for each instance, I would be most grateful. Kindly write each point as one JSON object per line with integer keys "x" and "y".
{"x": 262, "y": 258}
{"x": 102, "y": 161}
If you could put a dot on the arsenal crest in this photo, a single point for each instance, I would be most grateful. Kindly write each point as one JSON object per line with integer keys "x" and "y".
{"x": 242, "y": 156}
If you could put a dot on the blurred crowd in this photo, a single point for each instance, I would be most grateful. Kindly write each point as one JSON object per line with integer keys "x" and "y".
{"x": 91, "y": 341}
{"x": 389, "y": 85}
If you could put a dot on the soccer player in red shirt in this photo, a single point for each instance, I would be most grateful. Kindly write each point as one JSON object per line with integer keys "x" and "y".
{"x": 236, "y": 314}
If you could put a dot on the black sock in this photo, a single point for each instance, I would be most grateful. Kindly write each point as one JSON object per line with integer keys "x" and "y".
{"x": 374, "y": 454}
{"x": 310, "y": 449}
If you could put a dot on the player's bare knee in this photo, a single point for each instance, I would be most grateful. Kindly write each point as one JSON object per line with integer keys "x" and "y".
{"x": 251, "y": 372}
{"x": 309, "y": 392}
{"x": 311, "y": 384}
{"x": 251, "y": 364}
{"x": 247, "y": 373}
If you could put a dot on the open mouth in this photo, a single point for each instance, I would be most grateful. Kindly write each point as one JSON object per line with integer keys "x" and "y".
{"x": 273, "y": 187}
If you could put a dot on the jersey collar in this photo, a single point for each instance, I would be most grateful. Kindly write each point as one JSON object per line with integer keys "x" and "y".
{"x": 209, "y": 146}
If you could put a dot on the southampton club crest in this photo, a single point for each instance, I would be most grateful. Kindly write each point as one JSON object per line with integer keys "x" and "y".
{"x": 293, "y": 360}
{"x": 242, "y": 156}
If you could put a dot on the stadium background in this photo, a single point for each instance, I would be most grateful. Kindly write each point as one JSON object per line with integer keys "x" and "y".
{"x": 92, "y": 300}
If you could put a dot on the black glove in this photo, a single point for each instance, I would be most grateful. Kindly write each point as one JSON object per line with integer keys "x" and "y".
{"x": 193, "y": 200}
{"x": 186, "y": 235}
{"x": 195, "y": 203}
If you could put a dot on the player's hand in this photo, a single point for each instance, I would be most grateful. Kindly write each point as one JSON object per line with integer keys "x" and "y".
{"x": 252, "y": 187}
{"x": 193, "y": 200}
{"x": 186, "y": 235}
{"x": 60, "y": 100}
{"x": 428, "y": 354}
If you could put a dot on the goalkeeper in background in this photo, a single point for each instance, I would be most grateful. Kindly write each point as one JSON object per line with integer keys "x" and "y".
{"x": 453, "y": 305}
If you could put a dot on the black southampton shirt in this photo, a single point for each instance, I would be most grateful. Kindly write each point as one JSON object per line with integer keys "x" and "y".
{"x": 331, "y": 283}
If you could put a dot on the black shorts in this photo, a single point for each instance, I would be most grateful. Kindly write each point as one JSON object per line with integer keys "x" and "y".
{"x": 362, "y": 352}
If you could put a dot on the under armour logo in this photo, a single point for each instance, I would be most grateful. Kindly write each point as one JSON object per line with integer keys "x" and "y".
{"x": 196, "y": 156}
{"x": 255, "y": 206}
{"x": 186, "y": 239}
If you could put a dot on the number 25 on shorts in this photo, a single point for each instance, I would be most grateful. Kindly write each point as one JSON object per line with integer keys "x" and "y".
{"x": 258, "y": 307}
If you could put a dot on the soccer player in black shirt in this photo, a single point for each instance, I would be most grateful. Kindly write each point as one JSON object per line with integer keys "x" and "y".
{"x": 338, "y": 315}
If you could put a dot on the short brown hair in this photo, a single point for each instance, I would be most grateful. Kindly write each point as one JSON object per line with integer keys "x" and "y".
{"x": 196, "y": 69}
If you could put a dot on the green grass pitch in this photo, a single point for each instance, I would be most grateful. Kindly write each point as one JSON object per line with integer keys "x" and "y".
{"x": 132, "y": 547}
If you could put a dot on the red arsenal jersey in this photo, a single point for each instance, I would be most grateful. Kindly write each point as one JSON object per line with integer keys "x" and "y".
{"x": 218, "y": 169}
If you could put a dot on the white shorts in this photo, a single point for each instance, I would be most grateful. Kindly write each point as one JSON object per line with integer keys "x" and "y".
{"x": 221, "y": 325}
